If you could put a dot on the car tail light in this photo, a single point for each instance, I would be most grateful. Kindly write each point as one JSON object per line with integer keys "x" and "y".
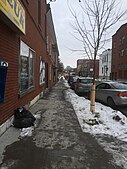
{"x": 122, "y": 94}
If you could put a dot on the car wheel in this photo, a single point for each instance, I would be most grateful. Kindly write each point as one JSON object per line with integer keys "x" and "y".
{"x": 75, "y": 90}
{"x": 111, "y": 103}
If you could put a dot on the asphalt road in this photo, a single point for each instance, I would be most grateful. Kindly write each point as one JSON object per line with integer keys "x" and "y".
{"x": 58, "y": 142}
{"x": 122, "y": 109}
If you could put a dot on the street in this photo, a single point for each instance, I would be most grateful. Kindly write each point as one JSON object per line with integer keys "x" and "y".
{"x": 122, "y": 110}
{"x": 58, "y": 141}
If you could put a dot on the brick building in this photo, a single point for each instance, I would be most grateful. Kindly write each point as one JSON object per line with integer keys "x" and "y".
{"x": 23, "y": 34}
{"x": 52, "y": 48}
{"x": 85, "y": 67}
{"x": 119, "y": 54}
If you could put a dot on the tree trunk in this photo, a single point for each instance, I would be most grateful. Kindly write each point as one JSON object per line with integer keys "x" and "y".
{"x": 92, "y": 95}
{"x": 92, "y": 98}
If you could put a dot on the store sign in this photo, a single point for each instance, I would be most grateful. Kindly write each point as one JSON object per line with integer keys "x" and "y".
{"x": 15, "y": 12}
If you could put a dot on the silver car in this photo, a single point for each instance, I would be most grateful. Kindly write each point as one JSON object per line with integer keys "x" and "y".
{"x": 112, "y": 93}
{"x": 83, "y": 85}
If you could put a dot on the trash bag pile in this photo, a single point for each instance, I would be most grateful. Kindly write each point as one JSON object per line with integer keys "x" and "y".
{"x": 23, "y": 118}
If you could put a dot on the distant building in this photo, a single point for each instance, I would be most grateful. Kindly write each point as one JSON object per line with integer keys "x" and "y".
{"x": 69, "y": 71}
{"x": 105, "y": 64}
{"x": 85, "y": 67}
{"x": 119, "y": 54}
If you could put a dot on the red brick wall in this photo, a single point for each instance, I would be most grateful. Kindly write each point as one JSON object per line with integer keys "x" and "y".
{"x": 117, "y": 59}
{"x": 89, "y": 64}
{"x": 9, "y": 51}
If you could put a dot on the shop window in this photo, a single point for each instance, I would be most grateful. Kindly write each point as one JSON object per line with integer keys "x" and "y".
{"x": 26, "y": 72}
{"x": 42, "y": 71}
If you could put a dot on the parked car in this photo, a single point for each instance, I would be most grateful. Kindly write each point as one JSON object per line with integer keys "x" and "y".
{"x": 83, "y": 85}
{"x": 70, "y": 79}
{"x": 112, "y": 93}
{"x": 123, "y": 81}
{"x": 73, "y": 82}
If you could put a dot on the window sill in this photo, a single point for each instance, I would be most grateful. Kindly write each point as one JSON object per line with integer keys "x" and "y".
{"x": 26, "y": 92}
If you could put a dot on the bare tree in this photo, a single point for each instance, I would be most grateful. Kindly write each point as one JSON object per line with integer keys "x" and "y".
{"x": 92, "y": 23}
{"x": 60, "y": 66}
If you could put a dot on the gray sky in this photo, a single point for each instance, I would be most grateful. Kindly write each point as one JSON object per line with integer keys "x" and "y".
{"x": 64, "y": 32}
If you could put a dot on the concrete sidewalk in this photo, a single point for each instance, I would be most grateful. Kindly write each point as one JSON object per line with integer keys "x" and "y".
{"x": 57, "y": 142}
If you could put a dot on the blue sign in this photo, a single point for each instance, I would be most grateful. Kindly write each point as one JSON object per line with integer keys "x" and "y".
{"x": 3, "y": 74}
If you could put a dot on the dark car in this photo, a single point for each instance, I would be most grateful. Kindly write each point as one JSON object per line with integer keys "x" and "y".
{"x": 70, "y": 79}
{"x": 112, "y": 93}
{"x": 73, "y": 82}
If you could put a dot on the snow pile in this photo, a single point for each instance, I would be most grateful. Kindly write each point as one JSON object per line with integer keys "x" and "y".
{"x": 107, "y": 121}
{"x": 26, "y": 131}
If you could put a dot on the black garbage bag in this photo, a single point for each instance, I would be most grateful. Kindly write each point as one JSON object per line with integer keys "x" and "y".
{"x": 23, "y": 118}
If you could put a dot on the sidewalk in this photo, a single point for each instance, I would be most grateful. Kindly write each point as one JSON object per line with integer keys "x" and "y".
{"x": 57, "y": 143}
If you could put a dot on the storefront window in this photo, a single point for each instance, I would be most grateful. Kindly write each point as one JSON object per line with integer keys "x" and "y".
{"x": 31, "y": 68}
{"x": 42, "y": 71}
{"x": 26, "y": 68}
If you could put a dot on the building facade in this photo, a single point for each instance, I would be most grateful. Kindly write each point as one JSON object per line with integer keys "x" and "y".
{"x": 85, "y": 67}
{"x": 23, "y": 47}
{"x": 105, "y": 64}
{"x": 119, "y": 54}
{"x": 52, "y": 48}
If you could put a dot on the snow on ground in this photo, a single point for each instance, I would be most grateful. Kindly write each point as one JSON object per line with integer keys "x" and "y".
{"x": 104, "y": 116}
{"x": 107, "y": 125}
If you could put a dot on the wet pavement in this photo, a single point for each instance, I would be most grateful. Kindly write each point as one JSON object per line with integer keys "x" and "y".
{"x": 58, "y": 141}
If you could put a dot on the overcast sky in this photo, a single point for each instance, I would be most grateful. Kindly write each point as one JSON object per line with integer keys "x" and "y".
{"x": 64, "y": 32}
